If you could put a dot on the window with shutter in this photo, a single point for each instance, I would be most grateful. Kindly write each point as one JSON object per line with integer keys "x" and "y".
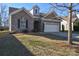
{"x": 18, "y": 23}
{"x": 26, "y": 23}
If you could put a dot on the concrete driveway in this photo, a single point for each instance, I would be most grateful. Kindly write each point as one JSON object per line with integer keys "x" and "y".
{"x": 75, "y": 36}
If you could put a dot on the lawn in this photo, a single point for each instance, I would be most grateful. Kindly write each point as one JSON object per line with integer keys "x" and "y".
{"x": 37, "y": 44}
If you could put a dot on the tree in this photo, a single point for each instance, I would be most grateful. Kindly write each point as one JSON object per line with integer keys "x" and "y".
{"x": 3, "y": 13}
{"x": 0, "y": 20}
{"x": 76, "y": 25}
{"x": 69, "y": 8}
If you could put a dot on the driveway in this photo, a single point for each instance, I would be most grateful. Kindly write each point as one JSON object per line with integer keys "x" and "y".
{"x": 75, "y": 36}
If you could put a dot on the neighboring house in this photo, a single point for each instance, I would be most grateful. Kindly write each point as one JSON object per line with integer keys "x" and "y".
{"x": 6, "y": 23}
{"x": 64, "y": 22}
{"x": 33, "y": 20}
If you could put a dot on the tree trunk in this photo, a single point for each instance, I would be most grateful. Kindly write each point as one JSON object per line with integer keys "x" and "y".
{"x": 70, "y": 25}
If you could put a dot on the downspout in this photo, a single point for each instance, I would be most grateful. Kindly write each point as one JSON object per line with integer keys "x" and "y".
{"x": 10, "y": 23}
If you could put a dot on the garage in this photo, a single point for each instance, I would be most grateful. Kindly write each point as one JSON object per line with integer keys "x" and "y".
{"x": 51, "y": 27}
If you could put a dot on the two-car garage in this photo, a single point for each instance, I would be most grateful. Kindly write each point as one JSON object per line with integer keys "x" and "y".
{"x": 51, "y": 27}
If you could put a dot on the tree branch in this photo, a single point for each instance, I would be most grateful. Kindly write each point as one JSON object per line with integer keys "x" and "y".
{"x": 75, "y": 5}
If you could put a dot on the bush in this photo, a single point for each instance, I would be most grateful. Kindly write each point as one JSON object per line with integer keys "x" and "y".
{"x": 25, "y": 31}
{"x": 13, "y": 32}
{"x": 1, "y": 28}
{"x": 76, "y": 26}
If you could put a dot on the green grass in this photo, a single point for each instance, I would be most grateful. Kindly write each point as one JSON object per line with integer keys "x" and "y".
{"x": 34, "y": 44}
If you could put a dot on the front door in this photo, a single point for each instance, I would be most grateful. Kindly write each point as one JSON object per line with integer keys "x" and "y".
{"x": 36, "y": 26}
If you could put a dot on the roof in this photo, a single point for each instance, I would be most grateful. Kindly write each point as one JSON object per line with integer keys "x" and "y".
{"x": 11, "y": 9}
{"x": 66, "y": 18}
{"x": 22, "y": 9}
{"x": 54, "y": 20}
{"x": 43, "y": 14}
{"x": 39, "y": 15}
{"x": 50, "y": 15}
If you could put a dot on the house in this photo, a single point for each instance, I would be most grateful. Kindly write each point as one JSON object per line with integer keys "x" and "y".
{"x": 64, "y": 22}
{"x": 32, "y": 20}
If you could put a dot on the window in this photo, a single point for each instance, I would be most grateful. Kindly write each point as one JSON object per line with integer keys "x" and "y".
{"x": 18, "y": 23}
{"x": 36, "y": 11}
{"x": 26, "y": 23}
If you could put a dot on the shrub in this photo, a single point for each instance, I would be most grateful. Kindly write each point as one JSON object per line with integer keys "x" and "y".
{"x": 76, "y": 26}
{"x": 25, "y": 31}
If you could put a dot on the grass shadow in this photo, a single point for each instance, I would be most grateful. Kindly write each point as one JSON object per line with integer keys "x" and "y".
{"x": 11, "y": 46}
{"x": 48, "y": 35}
{"x": 52, "y": 36}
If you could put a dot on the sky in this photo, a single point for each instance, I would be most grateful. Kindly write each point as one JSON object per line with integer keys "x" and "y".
{"x": 44, "y": 7}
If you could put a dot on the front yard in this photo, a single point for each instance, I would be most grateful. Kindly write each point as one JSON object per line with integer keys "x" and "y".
{"x": 35, "y": 44}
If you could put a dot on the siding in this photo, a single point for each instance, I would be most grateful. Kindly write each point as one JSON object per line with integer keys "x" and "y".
{"x": 19, "y": 15}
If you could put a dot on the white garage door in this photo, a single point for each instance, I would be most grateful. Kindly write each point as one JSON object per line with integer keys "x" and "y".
{"x": 51, "y": 27}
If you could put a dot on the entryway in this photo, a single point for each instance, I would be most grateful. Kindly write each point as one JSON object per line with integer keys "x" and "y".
{"x": 36, "y": 26}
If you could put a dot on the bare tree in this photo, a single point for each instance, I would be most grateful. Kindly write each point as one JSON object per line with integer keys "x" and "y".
{"x": 69, "y": 8}
{"x": 3, "y": 13}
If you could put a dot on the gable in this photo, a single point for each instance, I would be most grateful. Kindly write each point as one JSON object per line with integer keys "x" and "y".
{"x": 64, "y": 22}
{"x": 66, "y": 18}
{"x": 51, "y": 15}
{"x": 21, "y": 10}
{"x": 21, "y": 14}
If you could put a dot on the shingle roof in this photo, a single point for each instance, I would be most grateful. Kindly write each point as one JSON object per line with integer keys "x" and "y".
{"x": 49, "y": 15}
{"x": 12, "y": 9}
{"x": 21, "y": 9}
